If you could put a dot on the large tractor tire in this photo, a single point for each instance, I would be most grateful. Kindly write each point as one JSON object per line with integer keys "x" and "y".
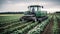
{"x": 39, "y": 20}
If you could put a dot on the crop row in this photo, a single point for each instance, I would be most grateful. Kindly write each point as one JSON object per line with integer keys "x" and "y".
{"x": 55, "y": 29}
{"x": 6, "y": 20}
{"x": 25, "y": 29}
{"x": 39, "y": 28}
{"x": 15, "y": 27}
{"x": 32, "y": 27}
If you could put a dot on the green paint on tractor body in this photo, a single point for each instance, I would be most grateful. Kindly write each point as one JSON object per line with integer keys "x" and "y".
{"x": 38, "y": 14}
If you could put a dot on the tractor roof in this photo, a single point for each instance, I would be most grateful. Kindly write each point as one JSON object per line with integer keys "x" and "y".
{"x": 35, "y": 6}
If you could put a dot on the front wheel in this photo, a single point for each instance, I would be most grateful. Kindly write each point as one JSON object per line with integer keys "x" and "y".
{"x": 34, "y": 20}
{"x": 39, "y": 20}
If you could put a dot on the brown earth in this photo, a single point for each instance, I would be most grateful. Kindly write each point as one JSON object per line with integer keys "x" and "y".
{"x": 48, "y": 28}
{"x": 58, "y": 24}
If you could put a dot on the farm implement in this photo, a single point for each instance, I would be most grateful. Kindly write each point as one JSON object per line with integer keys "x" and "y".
{"x": 34, "y": 14}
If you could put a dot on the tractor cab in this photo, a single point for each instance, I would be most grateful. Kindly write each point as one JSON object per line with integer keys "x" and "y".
{"x": 33, "y": 9}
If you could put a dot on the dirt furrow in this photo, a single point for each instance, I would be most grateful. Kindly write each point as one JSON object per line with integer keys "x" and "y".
{"x": 48, "y": 28}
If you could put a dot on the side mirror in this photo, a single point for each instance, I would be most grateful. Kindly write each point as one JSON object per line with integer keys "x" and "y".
{"x": 42, "y": 6}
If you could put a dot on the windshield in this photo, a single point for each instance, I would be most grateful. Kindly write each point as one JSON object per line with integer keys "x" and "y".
{"x": 34, "y": 9}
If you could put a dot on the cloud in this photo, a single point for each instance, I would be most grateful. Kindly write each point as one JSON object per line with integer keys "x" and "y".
{"x": 20, "y": 5}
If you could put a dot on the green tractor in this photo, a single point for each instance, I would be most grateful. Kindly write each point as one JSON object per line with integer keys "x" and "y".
{"x": 34, "y": 14}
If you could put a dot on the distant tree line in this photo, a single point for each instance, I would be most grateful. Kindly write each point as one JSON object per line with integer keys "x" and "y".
{"x": 58, "y": 12}
{"x": 12, "y": 13}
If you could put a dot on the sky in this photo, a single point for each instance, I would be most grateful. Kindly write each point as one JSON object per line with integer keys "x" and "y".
{"x": 21, "y": 5}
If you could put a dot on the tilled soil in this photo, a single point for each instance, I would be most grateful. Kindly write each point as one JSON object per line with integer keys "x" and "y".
{"x": 58, "y": 24}
{"x": 48, "y": 28}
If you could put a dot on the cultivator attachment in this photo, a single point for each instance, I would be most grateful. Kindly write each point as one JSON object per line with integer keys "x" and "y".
{"x": 28, "y": 18}
{"x": 32, "y": 18}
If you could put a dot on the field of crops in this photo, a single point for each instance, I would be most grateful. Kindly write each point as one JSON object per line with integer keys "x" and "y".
{"x": 10, "y": 24}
